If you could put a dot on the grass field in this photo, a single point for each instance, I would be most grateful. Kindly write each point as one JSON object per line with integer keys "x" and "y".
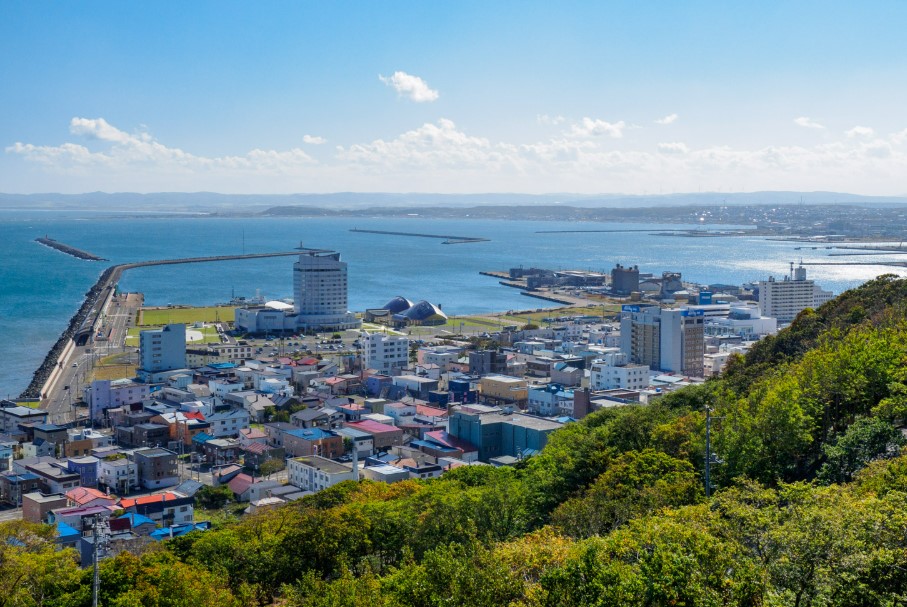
{"x": 156, "y": 317}
{"x": 113, "y": 367}
{"x": 537, "y": 317}
{"x": 209, "y": 335}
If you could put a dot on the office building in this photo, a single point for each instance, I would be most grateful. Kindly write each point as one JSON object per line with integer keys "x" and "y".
{"x": 666, "y": 339}
{"x": 784, "y": 299}
{"x": 640, "y": 334}
{"x": 682, "y": 341}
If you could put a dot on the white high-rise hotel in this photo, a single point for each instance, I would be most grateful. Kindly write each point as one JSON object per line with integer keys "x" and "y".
{"x": 784, "y": 299}
{"x": 320, "y": 291}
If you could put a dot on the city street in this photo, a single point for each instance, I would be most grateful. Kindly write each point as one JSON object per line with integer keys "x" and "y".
{"x": 77, "y": 368}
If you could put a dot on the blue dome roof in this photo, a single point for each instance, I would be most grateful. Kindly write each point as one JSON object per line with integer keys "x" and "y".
{"x": 424, "y": 311}
{"x": 397, "y": 305}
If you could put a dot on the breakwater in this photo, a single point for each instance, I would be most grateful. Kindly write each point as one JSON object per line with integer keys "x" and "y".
{"x": 41, "y": 375}
{"x": 69, "y": 250}
{"x": 83, "y": 322}
{"x": 445, "y": 238}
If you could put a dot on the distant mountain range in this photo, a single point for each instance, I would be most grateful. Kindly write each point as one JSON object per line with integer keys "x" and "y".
{"x": 321, "y": 204}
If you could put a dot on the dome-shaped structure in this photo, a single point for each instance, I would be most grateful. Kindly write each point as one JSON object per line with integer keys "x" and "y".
{"x": 425, "y": 313}
{"x": 397, "y": 305}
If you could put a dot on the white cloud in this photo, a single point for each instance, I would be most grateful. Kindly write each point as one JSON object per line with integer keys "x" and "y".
{"x": 673, "y": 147}
{"x": 860, "y": 131}
{"x": 440, "y": 156}
{"x": 410, "y": 86}
{"x": 594, "y": 127}
{"x": 313, "y": 139}
{"x": 808, "y": 123}
{"x": 553, "y": 120}
{"x": 669, "y": 119}
{"x": 433, "y": 145}
{"x": 98, "y": 128}
{"x": 141, "y": 152}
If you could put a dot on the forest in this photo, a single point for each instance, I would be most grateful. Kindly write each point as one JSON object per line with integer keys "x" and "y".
{"x": 808, "y": 507}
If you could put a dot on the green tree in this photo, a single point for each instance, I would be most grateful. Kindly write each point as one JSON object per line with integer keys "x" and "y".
{"x": 33, "y": 572}
{"x": 867, "y": 439}
{"x": 212, "y": 498}
{"x": 635, "y": 484}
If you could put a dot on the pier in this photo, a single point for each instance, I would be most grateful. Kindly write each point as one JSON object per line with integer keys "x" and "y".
{"x": 446, "y": 239}
{"x": 65, "y": 248}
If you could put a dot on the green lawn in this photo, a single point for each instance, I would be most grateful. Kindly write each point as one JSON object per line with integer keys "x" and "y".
{"x": 156, "y": 317}
{"x": 209, "y": 335}
{"x": 537, "y": 317}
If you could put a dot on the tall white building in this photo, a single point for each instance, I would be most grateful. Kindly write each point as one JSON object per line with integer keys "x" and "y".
{"x": 163, "y": 349}
{"x": 784, "y": 299}
{"x": 384, "y": 353}
{"x": 666, "y": 339}
{"x": 320, "y": 291}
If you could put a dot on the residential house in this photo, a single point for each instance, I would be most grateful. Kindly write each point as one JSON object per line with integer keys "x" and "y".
{"x": 14, "y": 485}
{"x": 169, "y": 508}
{"x": 228, "y": 423}
{"x": 54, "y": 477}
{"x": 156, "y": 468}
{"x": 36, "y": 505}
{"x": 85, "y": 496}
{"x": 383, "y": 436}
{"x": 87, "y": 469}
{"x": 313, "y": 441}
{"x": 314, "y": 473}
{"x": 118, "y": 473}
{"x": 13, "y": 414}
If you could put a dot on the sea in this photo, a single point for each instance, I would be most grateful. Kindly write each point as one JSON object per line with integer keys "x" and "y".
{"x": 42, "y": 288}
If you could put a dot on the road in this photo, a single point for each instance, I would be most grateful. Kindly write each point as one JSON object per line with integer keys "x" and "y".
{"x": 77, "y": 368}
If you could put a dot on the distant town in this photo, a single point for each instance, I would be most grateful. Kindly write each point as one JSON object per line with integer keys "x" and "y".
{"x": 155, "y": 414}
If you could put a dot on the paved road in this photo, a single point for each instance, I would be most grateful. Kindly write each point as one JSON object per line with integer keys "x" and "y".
{"x": 10, "y": 514}
{"x": 78, "y": 367}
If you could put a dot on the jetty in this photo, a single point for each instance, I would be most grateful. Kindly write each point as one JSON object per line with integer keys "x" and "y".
{"x": 447, "y": 239}
{"x": 67, "y": 249}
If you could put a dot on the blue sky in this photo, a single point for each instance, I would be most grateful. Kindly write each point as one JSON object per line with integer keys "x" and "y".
{"x": 453, "y": 97}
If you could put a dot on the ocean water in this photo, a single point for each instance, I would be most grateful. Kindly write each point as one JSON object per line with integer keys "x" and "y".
{"x": 42, "y": 288}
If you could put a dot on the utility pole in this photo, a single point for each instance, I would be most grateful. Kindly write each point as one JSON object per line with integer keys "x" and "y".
{"x": 100, "y": 538}
{"x": 710, "y": 458}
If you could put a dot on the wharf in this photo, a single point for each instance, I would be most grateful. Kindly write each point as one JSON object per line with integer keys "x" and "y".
{"x": 493, "y": 274}
{"x": 69, "y": 250}
{"x": 446, "y": 238}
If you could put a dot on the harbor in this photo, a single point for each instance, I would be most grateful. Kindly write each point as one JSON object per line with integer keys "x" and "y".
{"x": 86, "y": 320}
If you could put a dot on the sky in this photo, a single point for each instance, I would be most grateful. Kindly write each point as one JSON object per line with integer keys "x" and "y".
{"x": 453, "y": 97}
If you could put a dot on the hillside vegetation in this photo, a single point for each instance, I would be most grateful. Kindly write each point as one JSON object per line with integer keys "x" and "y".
{"x": 810, "y": 506}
